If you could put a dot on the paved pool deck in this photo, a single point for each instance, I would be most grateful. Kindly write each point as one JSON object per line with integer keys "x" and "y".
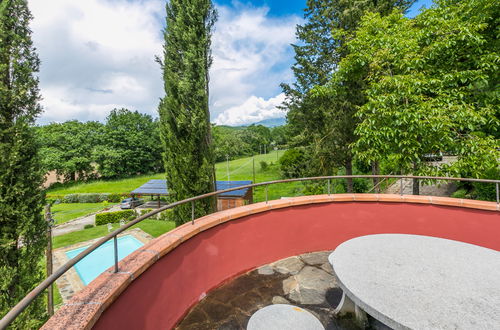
{"x": 70, "y": 282}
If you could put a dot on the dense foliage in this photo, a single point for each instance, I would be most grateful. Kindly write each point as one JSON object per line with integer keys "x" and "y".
{"x": 126, "y": 144}
{"x": 243, "y": 141}
{"x": 23, "y": 230}
{"x": 184, "y": 116}
{"x": 326, "y": 124}
{"x": 67, "y": 147}
{"x": 129, "y": 146}
{"x": 431, "y": 85}
{"x": 293, "y": 163}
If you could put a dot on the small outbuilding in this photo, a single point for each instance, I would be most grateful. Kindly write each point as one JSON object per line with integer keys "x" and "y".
{"x": 225, "y": 201}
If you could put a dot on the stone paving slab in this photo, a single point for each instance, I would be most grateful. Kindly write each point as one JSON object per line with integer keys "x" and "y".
{"x": 303, "y": 281}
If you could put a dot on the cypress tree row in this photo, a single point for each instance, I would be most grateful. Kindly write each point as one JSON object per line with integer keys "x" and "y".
{"x": 22, "y": 227}
{"x": 184, "y": 114}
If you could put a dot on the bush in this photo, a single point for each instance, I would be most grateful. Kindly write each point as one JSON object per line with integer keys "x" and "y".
{"x": 113, "y": 217}
{"x": 88, "y": 226}
{"x": 144, "y": 211}
{"x": 165, "y": 215}
{"x": 487, "y": 191}
{"x": 293, "y": 163}
{"x": 85, "y": 198}
{"x": 264, "y": 166}
{"x": 115, "y": 198}
{"x": 460, "y": 193}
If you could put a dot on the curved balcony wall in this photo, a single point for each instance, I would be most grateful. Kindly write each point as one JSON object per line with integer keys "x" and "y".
{"x": 159, "y": 283}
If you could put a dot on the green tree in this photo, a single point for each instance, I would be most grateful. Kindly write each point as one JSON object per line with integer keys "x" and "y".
{"x": 129, "y": 145}
{"x": 323, "y": 122}
{"x": 431, "y": 85}
{"x": 229, "y": 141}
{"x": 259, "y": 138}
{"x": 184, "y": 114}
{"x": 67, "y": 147}
{"x": 22, "y": 227}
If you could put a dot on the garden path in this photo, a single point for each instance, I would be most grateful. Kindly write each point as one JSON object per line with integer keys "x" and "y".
{"x": 79, "y": 223}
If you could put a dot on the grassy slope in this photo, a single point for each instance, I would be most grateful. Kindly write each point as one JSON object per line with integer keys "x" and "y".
{"x": 65, "y": 212}
{"x": 240, "y": 169}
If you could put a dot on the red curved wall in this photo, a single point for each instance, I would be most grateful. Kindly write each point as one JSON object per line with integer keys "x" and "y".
{"x": 160, "y": 297}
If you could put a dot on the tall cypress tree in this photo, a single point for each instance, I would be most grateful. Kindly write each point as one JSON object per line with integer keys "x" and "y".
{"x": 22, "y": 227}
{"x": 184, "y": 113}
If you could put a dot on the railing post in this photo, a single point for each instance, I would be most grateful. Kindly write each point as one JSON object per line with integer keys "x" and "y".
{"x": 498, "y": 194}
{"x": 328, "y": 187}
{"x": 192, "y": 212}
{"x": 401, "y": 187}
{"x": 266, "y": 194}
{"x": 115, "y": 240}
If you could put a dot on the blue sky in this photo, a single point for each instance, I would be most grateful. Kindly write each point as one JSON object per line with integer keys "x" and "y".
{"x": 99, "y": 54}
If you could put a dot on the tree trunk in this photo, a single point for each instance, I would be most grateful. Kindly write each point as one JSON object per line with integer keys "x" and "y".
{"x": 348, "y": 171}
{"x": 416, "y": 183}
{"x": 376, "y": 171}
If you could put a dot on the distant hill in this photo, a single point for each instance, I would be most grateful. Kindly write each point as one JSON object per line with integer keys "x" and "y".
{"x": 273, "y": 122}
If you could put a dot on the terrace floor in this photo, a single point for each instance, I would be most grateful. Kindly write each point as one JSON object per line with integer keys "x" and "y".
{"x": 305, "y": 281}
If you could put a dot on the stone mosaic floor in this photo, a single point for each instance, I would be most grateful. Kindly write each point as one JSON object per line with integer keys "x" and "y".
{"x": 305, "y": 281}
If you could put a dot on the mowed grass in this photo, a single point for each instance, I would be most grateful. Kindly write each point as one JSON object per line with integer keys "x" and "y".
{"x": 154, "y": 228}
{"x": 121, "y": 186}
{"x": 65, "y": 212}
{"x": 239, "y": 169}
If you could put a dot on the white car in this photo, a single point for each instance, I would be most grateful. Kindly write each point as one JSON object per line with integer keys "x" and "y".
{"x": 130, "y": 203}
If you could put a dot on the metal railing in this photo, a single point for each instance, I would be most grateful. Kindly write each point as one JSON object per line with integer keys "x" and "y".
{"x": 28, "y": 299}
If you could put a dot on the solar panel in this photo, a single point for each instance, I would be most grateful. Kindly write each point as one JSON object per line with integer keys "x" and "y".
{"x": 159, "y": 187}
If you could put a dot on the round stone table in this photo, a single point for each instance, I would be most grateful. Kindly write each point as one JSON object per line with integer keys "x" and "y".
{"x": 419, "y": 282}
{"x": 280, "y": 317}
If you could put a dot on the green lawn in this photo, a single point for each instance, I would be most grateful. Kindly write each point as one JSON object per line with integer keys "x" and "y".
{"x": 153, "y": 227}
{"x": 239, "y": 169}
{"x": 65, "y": 212}
{"x": 104, "y": 186}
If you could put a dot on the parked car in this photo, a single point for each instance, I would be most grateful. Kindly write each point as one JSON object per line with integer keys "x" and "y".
{"x": 131, "y": 202}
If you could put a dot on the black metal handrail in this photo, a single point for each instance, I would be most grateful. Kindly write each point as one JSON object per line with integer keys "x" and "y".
{"x": 26, "y": 301}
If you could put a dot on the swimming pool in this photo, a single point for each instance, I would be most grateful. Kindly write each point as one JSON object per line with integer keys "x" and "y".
{"x": 103, "y": 257}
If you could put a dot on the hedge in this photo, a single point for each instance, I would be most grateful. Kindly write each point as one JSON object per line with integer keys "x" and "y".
{"x": 90, "y": 198}
{"x": 85, "y": 198}
{"x": 113, "y": 217}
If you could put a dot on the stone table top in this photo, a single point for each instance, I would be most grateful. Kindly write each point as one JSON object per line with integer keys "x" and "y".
{"x": 281, "y": 316}
{"x": 420, "y": 282}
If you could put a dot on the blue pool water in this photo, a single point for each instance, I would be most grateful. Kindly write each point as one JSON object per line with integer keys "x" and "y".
{"x": 103, "y": 257}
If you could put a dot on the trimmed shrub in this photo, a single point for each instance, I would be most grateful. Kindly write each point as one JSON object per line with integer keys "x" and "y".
{"x": 460, "y": 193}
{"x": 144, "y": 211}
{"x": 264, "y": 166}
{"x": 115, "y": 198}
{"x": 165, "y": 215}
{"x": 88, "y": 226}
{"x": 113, "y": 217}
{"x": 85, "y": 198}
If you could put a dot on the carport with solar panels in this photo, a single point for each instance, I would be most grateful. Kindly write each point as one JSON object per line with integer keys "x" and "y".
{"x": 227, "y": 200}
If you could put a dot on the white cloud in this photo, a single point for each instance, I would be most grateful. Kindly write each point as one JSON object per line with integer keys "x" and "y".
{"x": 254, "y": 109}
{"x": 99, "y": 54}
{"x": 252, "y": 56}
